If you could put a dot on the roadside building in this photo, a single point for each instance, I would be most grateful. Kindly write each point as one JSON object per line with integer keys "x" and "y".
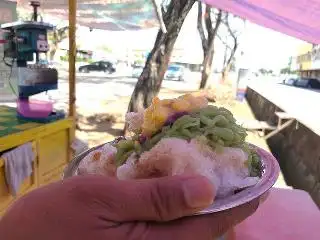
{"x": 307, "y": 61}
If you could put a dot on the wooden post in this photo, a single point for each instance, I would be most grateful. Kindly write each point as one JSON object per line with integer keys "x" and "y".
{"x": 72, "y": 58}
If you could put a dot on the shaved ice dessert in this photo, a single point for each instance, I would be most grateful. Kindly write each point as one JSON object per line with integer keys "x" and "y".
{"x": 180, "y": 136}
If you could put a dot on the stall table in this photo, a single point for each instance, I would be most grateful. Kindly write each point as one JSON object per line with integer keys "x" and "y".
{"x": 51, "y": 145}
{"x": 287, "y": 214}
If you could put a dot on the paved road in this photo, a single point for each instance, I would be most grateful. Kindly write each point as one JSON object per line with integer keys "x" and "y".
{"x": 300, "y": 103}
{"x": 93, "y": 88}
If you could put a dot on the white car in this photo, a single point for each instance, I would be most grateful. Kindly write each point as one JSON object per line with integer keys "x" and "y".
{"x": 136, "y": 71}
{"x": 175, "y": 72}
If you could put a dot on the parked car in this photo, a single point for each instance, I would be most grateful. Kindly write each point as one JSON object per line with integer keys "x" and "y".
{"x": 43, "y": 62}
{"x": 311, "y": 83}
{"x": 175, "y": 72}
{"x": 101, "y": 66}
{"x": 289, "y": 81}
{"x": 136, "y": 71}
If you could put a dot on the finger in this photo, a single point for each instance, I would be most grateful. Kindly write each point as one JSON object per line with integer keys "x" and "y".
{"x": 203, "y": 227}
{"x": 160, "y": 199}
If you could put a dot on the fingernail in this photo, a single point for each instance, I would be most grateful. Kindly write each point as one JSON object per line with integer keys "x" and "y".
{"x": 198, "y": 192}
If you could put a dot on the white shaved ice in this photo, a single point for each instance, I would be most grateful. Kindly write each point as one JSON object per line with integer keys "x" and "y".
{"x": 172, "y": 156}
{"x": 104, "y": 165}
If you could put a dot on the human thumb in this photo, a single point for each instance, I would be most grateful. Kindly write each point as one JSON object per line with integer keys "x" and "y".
{"x": 159, "y": 199}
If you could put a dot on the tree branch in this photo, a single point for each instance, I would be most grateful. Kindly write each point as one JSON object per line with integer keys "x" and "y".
{"x": 223, "y": 42}
{"x": 225, "y": 18}
{"x": 62, "y": 30}
{"x": 217, "y": 25}
{"x": 232, "y": 34}
{"x": 158, "y": 10}
{"x": 235, "y": 44}
{"x": 233, "y": 52}
{"x": 207, "y": 19}
{"x": 204, "y": 40}
{"x": 61, "y": 33}
{"x": 164, "y": 6}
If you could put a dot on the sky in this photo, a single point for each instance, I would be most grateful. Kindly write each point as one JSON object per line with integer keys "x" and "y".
{"x": 265, "y": 48}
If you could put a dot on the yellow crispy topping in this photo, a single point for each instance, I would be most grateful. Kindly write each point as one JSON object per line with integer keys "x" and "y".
{"x": 159, "y": 111}
{"x": 181, "y": 105}
{"x": 96, "y": 156}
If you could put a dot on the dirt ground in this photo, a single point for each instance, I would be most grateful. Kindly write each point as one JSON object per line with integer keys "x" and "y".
{"x": 103, "y": 126}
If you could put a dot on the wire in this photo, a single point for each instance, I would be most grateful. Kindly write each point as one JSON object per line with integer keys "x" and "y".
{"x": 9, "y": 79}
{"x": 10, "y": 74}
{"x": 4, "y": 60}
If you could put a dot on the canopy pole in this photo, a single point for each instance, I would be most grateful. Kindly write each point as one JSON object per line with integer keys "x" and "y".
{"x": 72, "y": 58}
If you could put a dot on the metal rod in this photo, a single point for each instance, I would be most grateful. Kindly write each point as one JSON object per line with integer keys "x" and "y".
{"x": 72, "y": 58}
{"x": 283, "y": 126}
{"x": 35, "y": 5}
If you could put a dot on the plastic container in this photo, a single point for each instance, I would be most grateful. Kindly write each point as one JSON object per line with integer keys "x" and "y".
{"x": 53, "y": 116}
{"x": 34, "y": 108}
{"x": 241, "y": 94}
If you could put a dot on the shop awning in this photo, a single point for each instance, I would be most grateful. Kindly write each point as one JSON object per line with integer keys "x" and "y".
{"x": 113, "y": 15}
{"x": 297, "y": 18}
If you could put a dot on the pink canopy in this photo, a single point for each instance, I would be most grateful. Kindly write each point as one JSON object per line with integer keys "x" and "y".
{"x": 297, "y": 18}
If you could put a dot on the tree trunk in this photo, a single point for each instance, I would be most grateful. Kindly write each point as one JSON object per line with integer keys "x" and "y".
{"x": 58, "y": 35}
{"x": 228, "y": 63}
{"x": 224, "y": 74}
{"x": 207, "y": 65}
{"x": 204, "y": 39}
{"x": 149, "y": 83}
{"x": 208, "y": 52}
{"x": 225, "y": 56}
{"x": 52, "y": 53}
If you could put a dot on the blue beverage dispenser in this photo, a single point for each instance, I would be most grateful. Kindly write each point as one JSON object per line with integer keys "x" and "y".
{"x": 24, "y": 41}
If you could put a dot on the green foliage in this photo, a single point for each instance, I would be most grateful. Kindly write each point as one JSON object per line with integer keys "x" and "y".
{"x": 78, "y": 59}
{"x": 64, "y": 58}
{"x": 23, "y": 15}
{"x": 58, "y": 35}
{"x": 105, "y": 48}
{"x": 265, "y": 71}
{"x": 287, "y": 70}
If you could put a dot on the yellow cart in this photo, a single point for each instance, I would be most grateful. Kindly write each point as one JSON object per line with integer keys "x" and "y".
{"x": 51, "y": 145}
{"x": 51, "y": 141}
